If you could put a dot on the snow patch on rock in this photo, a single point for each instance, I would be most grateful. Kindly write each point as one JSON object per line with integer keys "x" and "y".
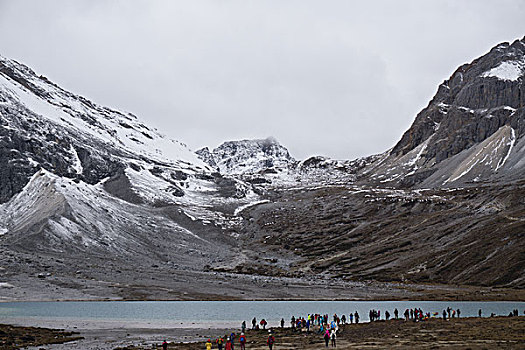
{"x": 508, "y": 70}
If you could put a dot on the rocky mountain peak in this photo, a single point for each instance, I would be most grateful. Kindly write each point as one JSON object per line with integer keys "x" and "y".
{"x": 247, "y": 156}
{"x": 480, "y": 100}
{"x": 490, "y": 83}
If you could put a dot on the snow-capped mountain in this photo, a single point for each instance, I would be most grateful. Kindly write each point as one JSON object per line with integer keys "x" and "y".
{"x": 46, "y": 126}
{"x": 80, "y": 182}
{"x": 267, "y": 162}
{"x": 76, "y": 176}
{"x": 471, "y": 131}
{"x": 94, "y": 203}
{"x": 445, "y": 204}
{"x": 248, "y": 157}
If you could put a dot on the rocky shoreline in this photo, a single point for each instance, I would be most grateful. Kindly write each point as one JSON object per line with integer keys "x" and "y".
{"x": 462, "y": 333}
{"x": 14, "y": 337}
{"x": 472, "y": 333}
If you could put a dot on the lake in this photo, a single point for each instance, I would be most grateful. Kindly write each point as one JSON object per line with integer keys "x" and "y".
{"x": 218, "y": 314}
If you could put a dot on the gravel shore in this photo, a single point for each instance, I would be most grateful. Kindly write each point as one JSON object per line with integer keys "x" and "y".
{"x": 458, "y": 333}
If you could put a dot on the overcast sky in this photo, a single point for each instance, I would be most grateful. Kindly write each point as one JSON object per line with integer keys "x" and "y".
{"x": 337, "y": 78}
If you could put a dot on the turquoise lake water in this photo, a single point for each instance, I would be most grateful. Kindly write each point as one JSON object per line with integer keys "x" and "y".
{"x": 230, "y": 312}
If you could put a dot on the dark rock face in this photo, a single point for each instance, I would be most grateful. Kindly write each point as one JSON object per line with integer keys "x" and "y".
{"x": 464, "y": 101}
{"x": 478, "y": 100}
{"x": 120, "y": 186}
{"x": 28, "y": 144}
{"x": 206, "y": 156}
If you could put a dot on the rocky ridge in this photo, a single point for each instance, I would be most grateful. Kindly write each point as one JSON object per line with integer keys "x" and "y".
{"x": 248, "y": 156}
{"x": 471, "y": 131}
{"x": 267, "y": 164}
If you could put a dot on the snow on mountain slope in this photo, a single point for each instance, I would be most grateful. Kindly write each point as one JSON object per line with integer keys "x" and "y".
{"x": 248, "y": 156}
{"x": 268, "y": 164}
{"x": 56, "y": 214}
{"x": 45, "y": 127}
{"x": 509, "y": 70}
{"x": 123, "y": 130}
{"x": 468, "y": 130}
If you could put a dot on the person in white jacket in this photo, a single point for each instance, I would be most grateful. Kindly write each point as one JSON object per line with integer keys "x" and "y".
{"x": 333, "y": 336}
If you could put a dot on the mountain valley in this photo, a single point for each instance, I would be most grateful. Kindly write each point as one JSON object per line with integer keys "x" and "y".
{"x": 97, "y": 205}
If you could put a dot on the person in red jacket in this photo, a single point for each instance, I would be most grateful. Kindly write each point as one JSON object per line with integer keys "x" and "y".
{"x": 164, "y": 345}
{"x": 228, "y": 345}
{"x": 263, "y": 323}
{"x": 242, "y": 340}
{"x": 270, "y": 341}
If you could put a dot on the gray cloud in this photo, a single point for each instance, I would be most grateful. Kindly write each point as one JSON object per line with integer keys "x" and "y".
{"x": 339, "y": 78}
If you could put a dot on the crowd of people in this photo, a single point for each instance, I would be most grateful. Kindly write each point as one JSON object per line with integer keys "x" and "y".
{"x": 325, "y": 326}
{"x": 228, "y": 342}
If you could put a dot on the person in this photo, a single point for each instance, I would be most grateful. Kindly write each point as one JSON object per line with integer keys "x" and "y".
{"x": 282, "y": 322}
{"x": 254, "y": 323}
{"x": 326, "y": 337}
{"x": 351, "y": 317}
{"x": 356, "y": 316}
{"x": 243, "y": 326}
{"x": 228, "y": 345}
{"x": 208, "y": 344}
{"x": 242, "y": 340}
{"x": 219, "y": 342}
{"x": 164, "y": 345}
{"x": 479, "y": 313}
{"x": 232, "y": 339}
{"x": 270, "y": 341}
{"x": 406, "y": 315}
{"x": 263, "y": 323}
{"x": 343, "y": 319}
{"x": 444, "y": 315}
{"x": 396, "y": 313}
{"x": 333, "y": 335}
{"x": 459, "y": 312}
{"x": 387, "y": 315}
{"x": 292, "y": 321}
